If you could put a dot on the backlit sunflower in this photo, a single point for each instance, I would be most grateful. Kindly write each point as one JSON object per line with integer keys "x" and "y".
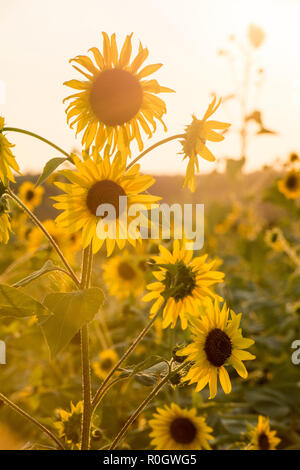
{"x": 123, "y": 276}
{"x": 217, "y": 343}
{"x": 69, "y": 425}
{"x": 100, "y": 181}
{"x": 114, "y": 101}
{"x": 183, "y": 283}
{"x": 175, "y": 428}
{"x": 31, "y": 195}
{"x": 194, "y": 142}
{"x": 289, "y": 185}
{"x": 107, "y": 360}
{"x": 262, "y": 438}
{"x": 7, "y": 159}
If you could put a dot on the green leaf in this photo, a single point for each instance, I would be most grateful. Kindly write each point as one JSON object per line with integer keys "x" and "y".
{"x": 72, "y": 311}
{"x": 49, "y": 168}
{"x": 15, "y": 303}
{"x": 48, "y": 267}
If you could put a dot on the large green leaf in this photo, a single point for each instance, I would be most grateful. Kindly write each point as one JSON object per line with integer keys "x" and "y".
{"x": 71, "y": 311}
{"x": 15, "y": 303}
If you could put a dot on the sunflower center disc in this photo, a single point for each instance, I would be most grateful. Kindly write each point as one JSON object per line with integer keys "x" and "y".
{"x": 183, "y": 430}
{"x": 126, "y": 271}
{"x": 116, "y": 97}
{"x": 292, "y": 182}
{"x": 106, "y": 364}
{"x": 104, "y": 192}
{"x": 29, "y": 195}
{"x": 217, "y": 347}
{"x": 263, "y": 442}
{"x": 179, "y": 281}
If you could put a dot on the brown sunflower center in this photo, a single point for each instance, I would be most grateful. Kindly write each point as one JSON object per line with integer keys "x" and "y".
{"x": 274, "y": 237}
{"x": 218, "y": 347}
{"x": 104, "y": 192}
{"x": 183, "y": 430}
{"x": 29, "y": 195}
{"x": 126, "y": 271}
{"x": 106, "y": 364}
{"x": 116, "y": 97}
{"x": 180, "y": 281}
{"x": 292, "y": 182}
{"x": 263, "y": 442}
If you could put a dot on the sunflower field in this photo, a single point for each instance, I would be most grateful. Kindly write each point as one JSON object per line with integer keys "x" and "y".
{"x": 113, "y": 340}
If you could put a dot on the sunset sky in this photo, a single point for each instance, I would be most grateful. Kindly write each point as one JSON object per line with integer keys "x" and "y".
{"x": 38, "y": 37}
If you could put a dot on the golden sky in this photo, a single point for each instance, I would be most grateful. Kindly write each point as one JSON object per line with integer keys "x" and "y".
{"x": 38, "y": 37}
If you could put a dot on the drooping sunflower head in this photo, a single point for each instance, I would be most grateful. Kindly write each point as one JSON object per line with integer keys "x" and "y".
{"x": 31, "y": 195}
{"x": 256, "y": 35}
{"x": 262, "y": 438}
{"x": 114, "y": 101}
{"x": 7, "y": 159}
{"x": 217, "y": 343}
{"x": 175, "y": 428}
{"x": 124, "y": 276}
{"x": 107, "y": 360}
{"x": 182, "y": 284}
{"x": 289, "y": 185}
{"x": 103, "y": 182}
{"x": 194, "y": 142}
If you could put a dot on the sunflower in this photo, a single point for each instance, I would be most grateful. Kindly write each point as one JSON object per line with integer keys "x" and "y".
{"x": 31, "y": 195}
{"x": 124, "y": 276}
{"x": 274, "y": 239}
{"x": 113, "y": 101}
{"x": 175, "y": 428}
{"x": 98, "y": 181}
{"x": 194, "y": 141}
{"x": 262, "y": 438}
{"x": 7, "y": 159}
{"x": 5, "y": 225}
{"x": 107, "y": 360}
{"x": 217, "y": 342}
{"x": 183, "y": 284}
{"x": 69, "y": 425}
{"x": 290, "y": 184}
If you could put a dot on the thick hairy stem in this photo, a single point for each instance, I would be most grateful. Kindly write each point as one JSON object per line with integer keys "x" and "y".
{"x": 99, "y": 394}
{"x": 32, "y": 419}
{"x": 36, "y": 221}
{"x": 36, "y": 136}
{"x": 142, "y": 406}
{"x": 85, "y": 360}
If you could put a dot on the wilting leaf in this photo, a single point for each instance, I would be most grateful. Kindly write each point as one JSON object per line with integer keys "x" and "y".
{"x": 49, "y": 168}
{"x": 71, "y": 310}
{"x": 15, "y": 303}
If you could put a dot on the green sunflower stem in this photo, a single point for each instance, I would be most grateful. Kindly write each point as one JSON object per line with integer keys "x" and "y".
{"x": 36, "y": 221}
{"x": 85, "y": 360}
{"x": 32, "y": 420}
{"x": 103, "y": 387}
{"x": 36, "y": 136}
{"x": 154, "y": 146}
{"x": 143, "y": 405}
